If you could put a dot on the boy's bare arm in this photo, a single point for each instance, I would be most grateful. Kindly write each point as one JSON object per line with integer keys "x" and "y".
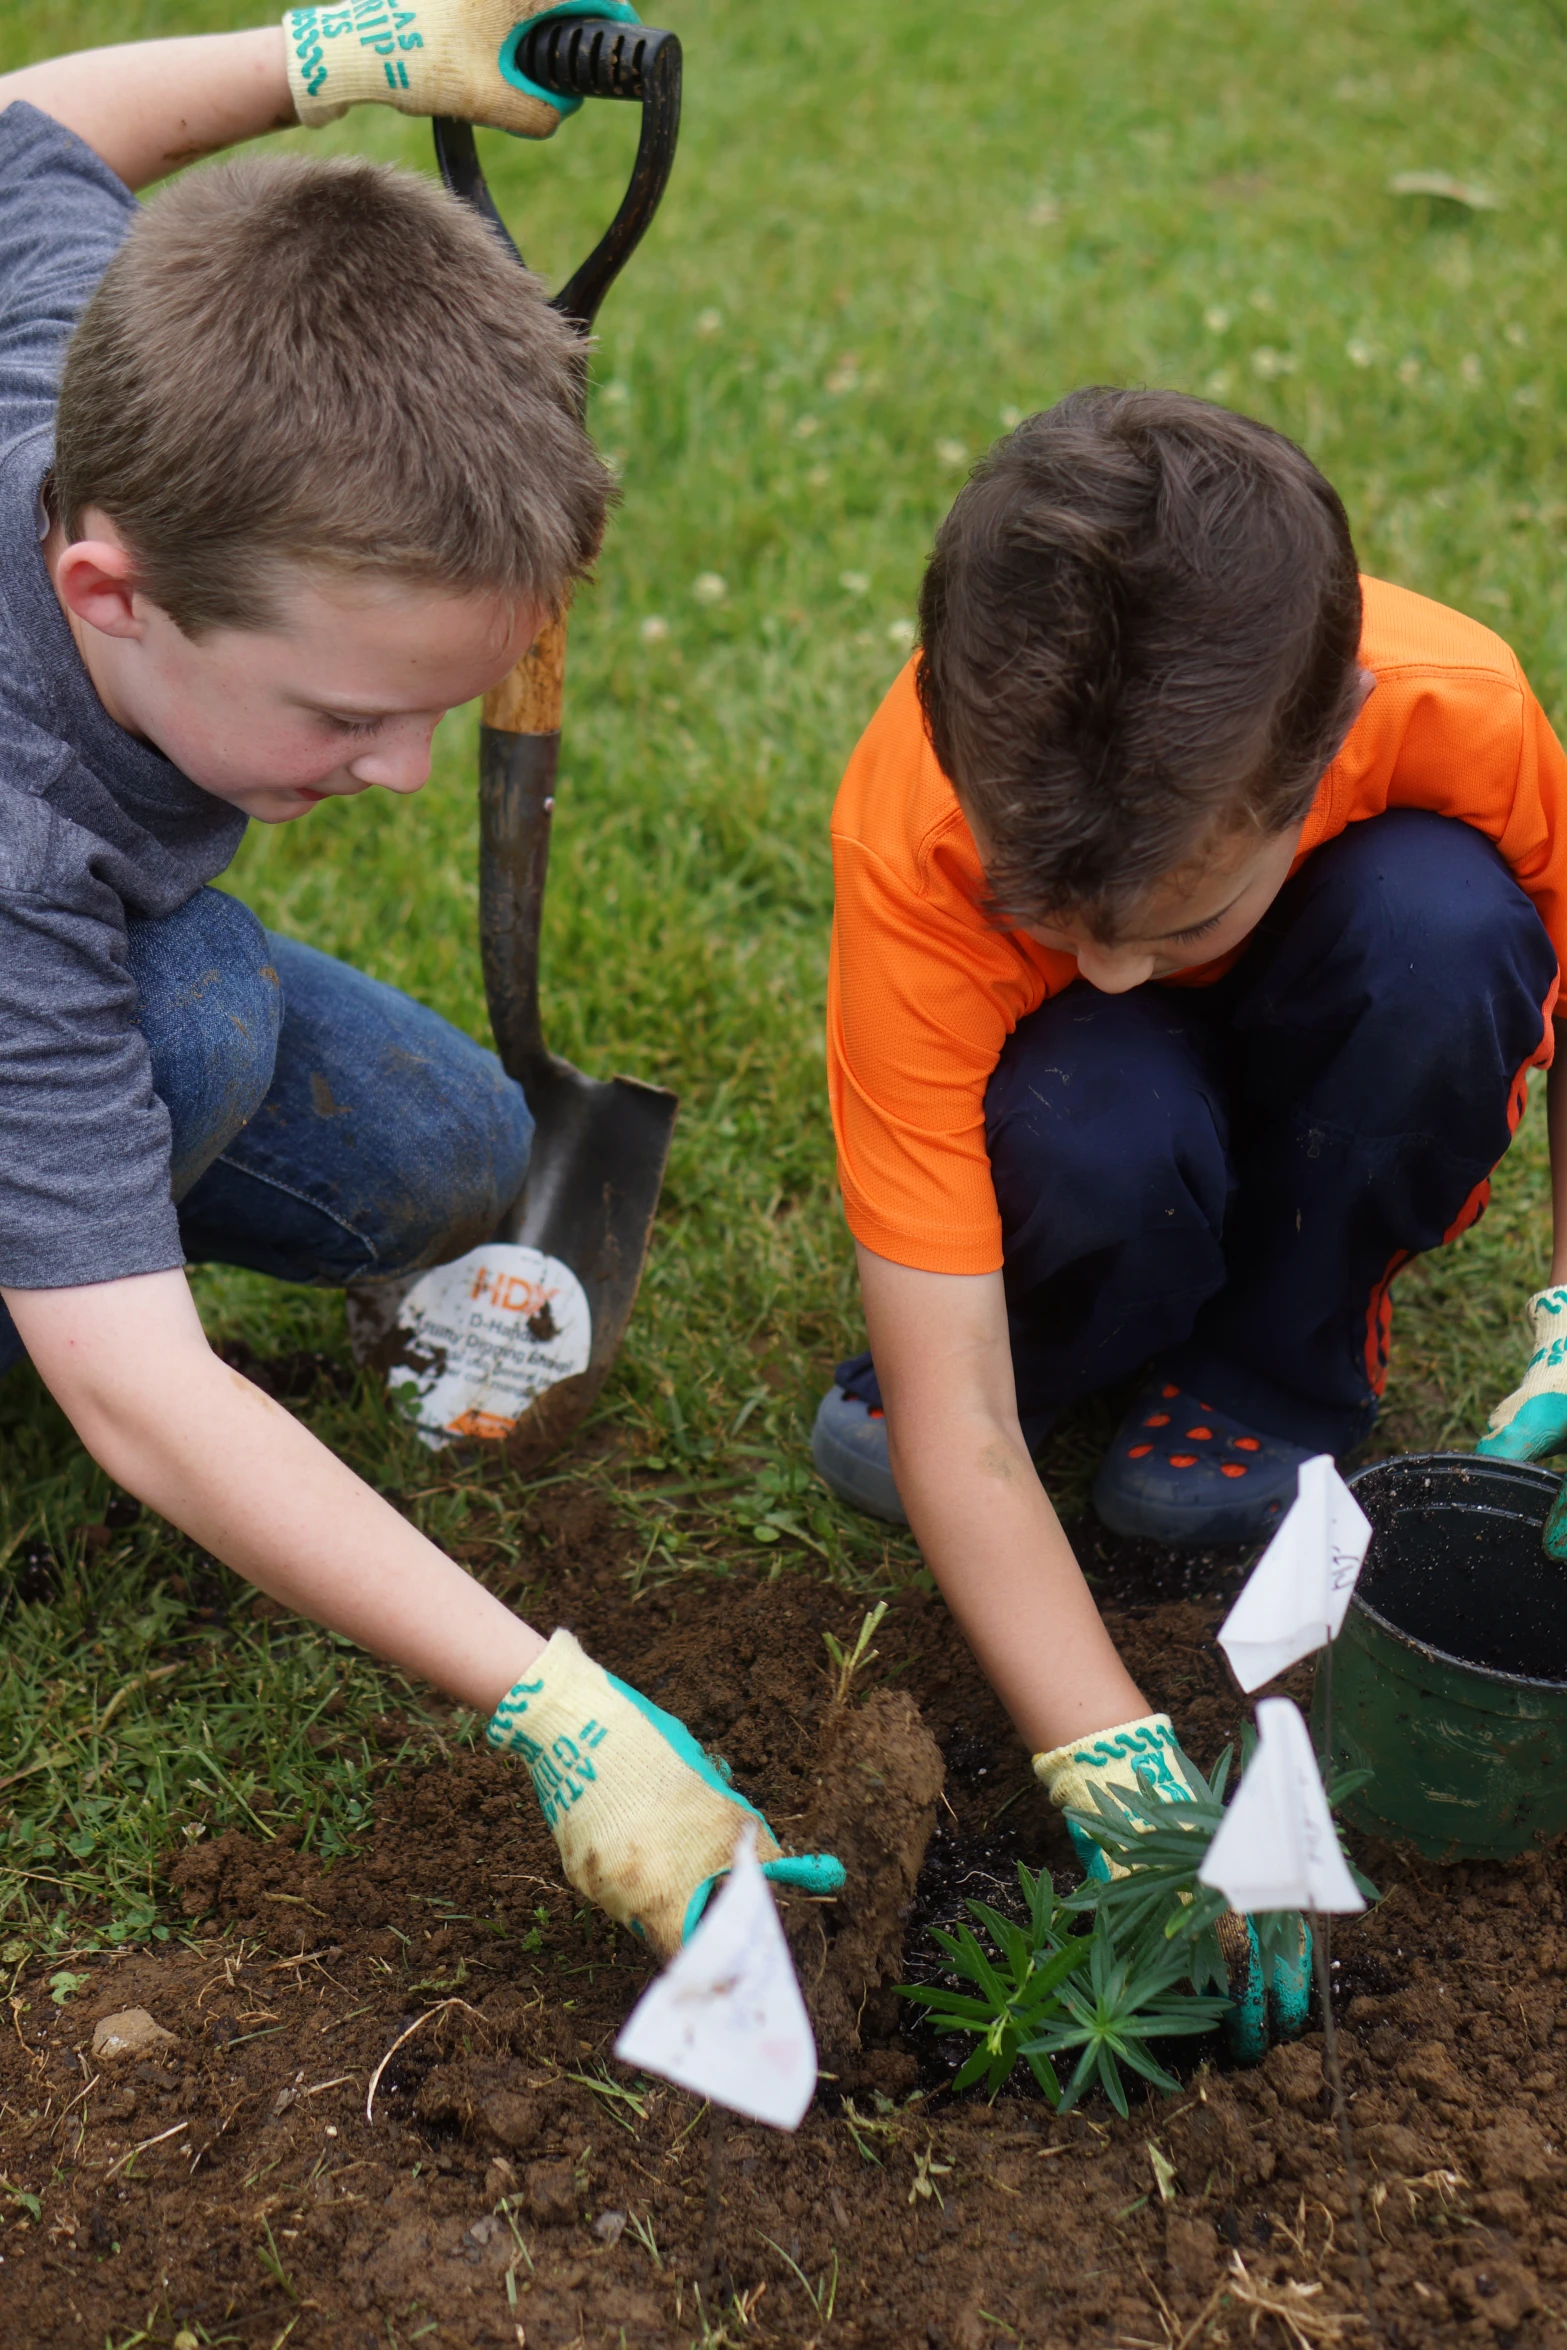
{"x": 129, "y": 1364}
{"x": 150, "y": 106}
{"x": 982, "y": 1518}
{"x": 1556, "y": 1128}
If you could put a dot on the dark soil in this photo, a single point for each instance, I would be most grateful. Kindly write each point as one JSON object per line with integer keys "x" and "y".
{"x": 516, "y": 2186}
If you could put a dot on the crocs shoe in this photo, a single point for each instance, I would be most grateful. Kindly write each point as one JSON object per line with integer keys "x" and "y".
{"x": 849, "y": 1448}
{"x": 1182, "y": 1472}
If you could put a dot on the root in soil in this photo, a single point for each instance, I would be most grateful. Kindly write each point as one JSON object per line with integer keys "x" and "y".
{"x": 512, "y": 2184}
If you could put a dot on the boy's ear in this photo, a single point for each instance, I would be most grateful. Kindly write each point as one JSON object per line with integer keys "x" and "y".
{"x": 95, "y": 579}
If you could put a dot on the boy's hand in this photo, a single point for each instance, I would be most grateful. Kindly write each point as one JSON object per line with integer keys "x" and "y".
{"x": 1531, "y": 1423}
{"x": 1142, "y": 1758}
{"x": 644, "y": 1821}
{"x": 1123, "y": 1761}
{"x": 454, "y": 57}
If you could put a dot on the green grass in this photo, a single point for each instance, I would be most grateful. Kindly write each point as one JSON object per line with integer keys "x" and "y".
{"x": 889, "y": 231}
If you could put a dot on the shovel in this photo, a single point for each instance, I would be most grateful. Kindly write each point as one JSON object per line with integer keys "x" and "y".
{"x": 599, "y": 1145}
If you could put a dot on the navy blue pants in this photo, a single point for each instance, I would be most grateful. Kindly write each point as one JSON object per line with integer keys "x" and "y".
{"x": 1227, "y": 1178}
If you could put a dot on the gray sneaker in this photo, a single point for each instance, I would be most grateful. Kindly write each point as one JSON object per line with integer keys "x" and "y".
{"x": 849, "y": 1448}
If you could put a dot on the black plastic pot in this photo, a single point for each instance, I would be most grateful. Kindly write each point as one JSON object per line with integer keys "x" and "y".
{"x": 1450, "y": 1675}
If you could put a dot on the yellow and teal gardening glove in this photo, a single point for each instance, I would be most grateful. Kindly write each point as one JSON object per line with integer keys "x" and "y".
{"x": 1143, "y": 1758}
{"x": 646, "y": 1822}
{"x": 455, "y": 57}
{"x": 1531, "y": 1423}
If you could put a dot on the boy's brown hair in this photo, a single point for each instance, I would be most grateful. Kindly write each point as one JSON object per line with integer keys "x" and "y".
{"x": 325, "y": 363}
{"x": 1139, "y": 630}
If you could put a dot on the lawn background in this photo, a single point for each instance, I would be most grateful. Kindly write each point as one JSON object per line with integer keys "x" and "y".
{"x": 890, "y": 231}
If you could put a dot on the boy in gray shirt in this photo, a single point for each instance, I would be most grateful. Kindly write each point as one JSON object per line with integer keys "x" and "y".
{"x": 312, "y": 475}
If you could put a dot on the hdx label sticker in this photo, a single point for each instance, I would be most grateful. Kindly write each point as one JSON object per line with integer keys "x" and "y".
{"x": 483, "y": 1336}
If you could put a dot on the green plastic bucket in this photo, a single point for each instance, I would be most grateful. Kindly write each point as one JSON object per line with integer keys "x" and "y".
{"x": 1449, "y": 1679}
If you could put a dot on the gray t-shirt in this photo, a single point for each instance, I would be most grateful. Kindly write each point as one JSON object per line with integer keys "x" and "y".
{"x": 94, "y": 825}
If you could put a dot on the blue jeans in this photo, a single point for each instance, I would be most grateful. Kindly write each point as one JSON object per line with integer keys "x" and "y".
{"x": 326, "y": 1129}
{"x": 1227, "y": 1178}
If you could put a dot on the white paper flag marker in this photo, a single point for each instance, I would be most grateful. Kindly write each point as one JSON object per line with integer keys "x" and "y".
{"x": 725, "y": 2018}
{"x": 1277, "y": 1847}
{"x": 483, "y": 1336}
{"x": 1296, "y": 1596}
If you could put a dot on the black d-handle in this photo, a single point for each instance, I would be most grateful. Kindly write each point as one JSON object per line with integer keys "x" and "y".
{"x": 588, "y": 57}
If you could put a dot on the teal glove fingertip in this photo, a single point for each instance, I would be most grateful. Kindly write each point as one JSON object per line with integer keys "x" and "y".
{"x": 511, "y": 71}
{"x": 1092, "y": 1859}
{"x": 1289, "y": 1992}
{"x": 1246, "y": 2025}
{"x": 696, "y": 1907}
{"x": 807, "y": 1872}
{"x": 1537, "y": 1429}
{"x": 1553, "y": 1541}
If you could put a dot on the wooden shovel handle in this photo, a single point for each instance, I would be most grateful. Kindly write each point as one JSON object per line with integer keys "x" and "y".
{"x": 528, "y": 699}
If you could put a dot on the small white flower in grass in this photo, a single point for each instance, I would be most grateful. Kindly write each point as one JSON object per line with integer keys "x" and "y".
{"x": 1011, "y": 417}
{"x": 709, "y": 587}
{"x": 806, "y": 427}
{"x": 1261, "y": 299}
{"x": 1216, "y": 318}
{"x": 1044, "y": 212}
{"x": 1358, "y": 352}
{"x": 1219, "y": 384}
{"x": 1409, "y": 370}
{"x": 819, "y": 476}
{"x": 653, "y": 630}
{"x": 952, "y": 454}
{"x": 1527, "y": 396}
{"x": 1269, "y": 364}
{"x": 615, "y": 394}
{"x": 1517, "y": 335}
{"x": 709, "y": 323}
{"x": 845, "y": 377}
{"x": 902, "y": 633}
{"x": 1470, "y": 369}
{"x": 855, "y": 583}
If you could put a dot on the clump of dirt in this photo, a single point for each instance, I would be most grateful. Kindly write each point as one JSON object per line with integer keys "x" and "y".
{"x": 513, "y": 2184}
{"x": 879, "y": 1774}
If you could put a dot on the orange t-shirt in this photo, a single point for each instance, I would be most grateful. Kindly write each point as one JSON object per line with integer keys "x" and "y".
{"x": 923, "y": 991}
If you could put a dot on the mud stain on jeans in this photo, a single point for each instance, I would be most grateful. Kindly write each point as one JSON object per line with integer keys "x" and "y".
{"x": 321, "y": 1100}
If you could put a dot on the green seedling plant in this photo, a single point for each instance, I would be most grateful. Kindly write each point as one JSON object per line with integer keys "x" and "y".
{"x": 846, "y": 1662}
{"x": 1129, "y": 1998}
{"x": 1158, "y": 1900}
{"x": 1155, "y": 1969}
{"x": 822, "y": 2296}
{"x": 1015, "y": 1994}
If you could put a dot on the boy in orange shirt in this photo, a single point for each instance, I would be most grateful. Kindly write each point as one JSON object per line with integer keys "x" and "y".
{"x": 1199, "y": 909}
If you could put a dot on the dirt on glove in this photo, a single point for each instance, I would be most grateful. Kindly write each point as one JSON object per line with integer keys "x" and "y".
{"x": 513, "y": 2186}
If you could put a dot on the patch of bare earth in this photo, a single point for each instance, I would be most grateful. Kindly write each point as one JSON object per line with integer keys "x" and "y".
{"x": 515, "y": 2186}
